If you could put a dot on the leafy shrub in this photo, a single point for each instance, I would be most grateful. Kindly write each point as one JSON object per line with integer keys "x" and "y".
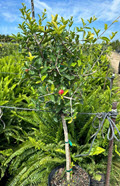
{"x": 56, "y": 62}
{"x": 7, "y": 49}
{"x": 13, "y": 92}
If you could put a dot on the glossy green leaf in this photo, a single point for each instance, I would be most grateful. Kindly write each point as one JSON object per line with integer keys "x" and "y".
{"x": 96, "y": 151}
{"x": 105, "y": 26}
{"x": 65, "y": 92}
{"x": 62, "y": 27}
{"x": 105, "y": 39}
{"x": 115, "y": 21}
{"x": 43, "y": 77}
{"x": 117, "y": 150}
{"x": 79, "y": 62}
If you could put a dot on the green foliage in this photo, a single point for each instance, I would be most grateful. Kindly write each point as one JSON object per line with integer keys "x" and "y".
{"x": 7, "y": 49}
{"x": 115, "y": 45}
{"x": 5, "y": 38}
{"x": 31, "y": 162}
{"x": 13, "y": 92}
{"x": 55, "y": 59}
{"x": 46, "y": 57}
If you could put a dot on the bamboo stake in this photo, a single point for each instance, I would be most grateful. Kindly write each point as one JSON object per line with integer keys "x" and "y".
{"x": 67, "y": 150}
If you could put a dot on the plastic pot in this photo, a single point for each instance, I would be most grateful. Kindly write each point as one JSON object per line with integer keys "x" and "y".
{"x": 62, "y": 166}
{"x": 119, "y": 68}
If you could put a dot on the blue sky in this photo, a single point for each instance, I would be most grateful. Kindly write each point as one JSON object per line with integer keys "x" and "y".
{"x": 106, "y": 11}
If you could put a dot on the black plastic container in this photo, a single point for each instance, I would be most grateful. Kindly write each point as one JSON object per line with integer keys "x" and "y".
{"x": 57, "y": 168}
{"x": 119, "y": 68}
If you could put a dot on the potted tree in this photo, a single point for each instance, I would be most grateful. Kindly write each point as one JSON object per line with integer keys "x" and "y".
{"x": 58, "y": 66}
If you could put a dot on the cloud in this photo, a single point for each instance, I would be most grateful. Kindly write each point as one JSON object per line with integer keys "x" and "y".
{"x": 106, "y": 10}
{"x": 9, "y": 17}
{"x": 9, "y": 11}
{"x": 41, "y": 5}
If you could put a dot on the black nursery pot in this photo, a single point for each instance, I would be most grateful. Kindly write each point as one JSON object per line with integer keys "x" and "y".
{"x": 54, "y": 171}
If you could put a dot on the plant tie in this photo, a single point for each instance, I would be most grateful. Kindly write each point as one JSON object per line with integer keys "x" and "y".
{"x": 69, "y": 142}
{"x": 69, "y": 170}
{"x": 111, "y": 133}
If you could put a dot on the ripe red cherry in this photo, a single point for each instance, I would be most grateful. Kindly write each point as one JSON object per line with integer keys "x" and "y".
{"x": 26, "y": 70}
{"x": 61, "y": 91}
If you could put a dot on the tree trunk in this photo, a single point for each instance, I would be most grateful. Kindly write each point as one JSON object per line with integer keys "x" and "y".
{"x": 67, "y": 150}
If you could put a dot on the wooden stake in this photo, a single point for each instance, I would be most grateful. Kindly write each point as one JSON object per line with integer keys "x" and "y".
{"x": 33, "y": 11}
{"x": 67, "y": 149}
{"x": 110, "y": 151}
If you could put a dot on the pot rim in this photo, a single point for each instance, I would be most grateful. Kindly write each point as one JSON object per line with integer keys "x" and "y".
{"x": 62, "y": 166}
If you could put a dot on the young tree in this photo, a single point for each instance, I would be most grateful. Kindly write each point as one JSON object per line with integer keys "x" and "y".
{"x": 59, "y": 67}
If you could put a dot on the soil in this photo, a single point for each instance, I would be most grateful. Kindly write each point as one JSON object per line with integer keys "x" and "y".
{"x": 79, "y": 177}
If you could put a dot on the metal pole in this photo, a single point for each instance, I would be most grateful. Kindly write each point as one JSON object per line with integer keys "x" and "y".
{"x": 111, "y": 81}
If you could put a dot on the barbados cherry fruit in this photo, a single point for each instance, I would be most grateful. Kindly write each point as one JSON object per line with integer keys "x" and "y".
{"x": 61, "y": 91}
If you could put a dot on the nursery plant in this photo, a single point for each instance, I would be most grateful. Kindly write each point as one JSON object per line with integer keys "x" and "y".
{"x": 13, "y": 92}
{"x": 7, "y": 49}
{"x": 65, "y": 67}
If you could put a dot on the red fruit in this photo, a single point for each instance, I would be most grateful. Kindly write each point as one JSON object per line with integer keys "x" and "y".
{"x": 26, "y": 70}
{"x": 61, "y": 91}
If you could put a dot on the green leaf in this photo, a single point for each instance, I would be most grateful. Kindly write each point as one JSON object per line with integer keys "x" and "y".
{"x": 105, "y": 39}
{"x": 60, "y": 151}
{"x": 43, "y": 77}
{"x": 94, "y": 18}
{"x": 65, "y": 92}
{"x": 71, "y": 120}
{"x": 91, "y": 36}
{"x": 105, "y": 26}
{"x": 87, "y": 27}
{"x": 77, "y": 28}
{"x": 55, "y": 18}
{"x": 62, "y": 27}
{"x": 97, "y": 177}
{"x": 30, "y": 57}
{"x": 73, "y": 64}
{"x": 67, "y": 118}
{"x": 84, "y": 33}
{"x": 46, "y": 40}
{"x": 96, "y": 31}
{"x": 37, "y": 82}
{"x": 117, "y": 150}
{"x": 83, "y": 22}
{"x": 79, "y": 62}
{"x": 90, "y": 20}
{"x": 113, "y": 35}
{"x": 69, "y": 77}
{"x": 52, "y": 87}
{"x": 55, "y": 25}
{"x": 3, "y": 102}
{"x": 52, "y": 98}
{"x": 52, "y": 17}
{"x": 96, "y": 151}
{"x": 115, "y": 21}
